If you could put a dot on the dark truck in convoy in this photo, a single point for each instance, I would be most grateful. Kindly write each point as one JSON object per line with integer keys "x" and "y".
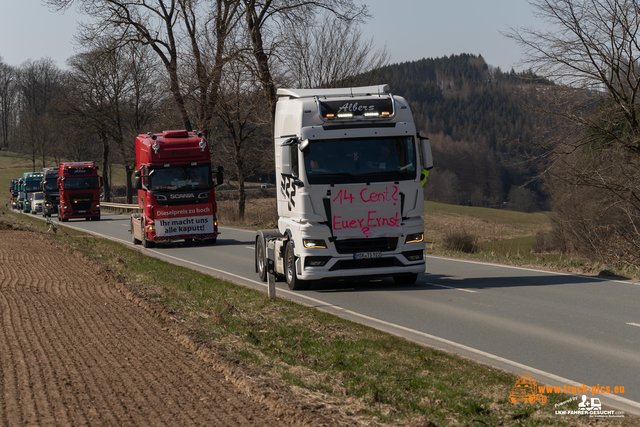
{"x": 31, "y": 185}
{"x": 13, "y": 189}
{"x": 50, "y": 191}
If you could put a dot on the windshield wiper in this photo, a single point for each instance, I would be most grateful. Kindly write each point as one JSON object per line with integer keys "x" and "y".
{"x": 397, "y": 173}
{"x": 338, "y": 174}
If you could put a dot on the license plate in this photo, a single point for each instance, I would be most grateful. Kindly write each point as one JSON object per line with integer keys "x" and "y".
{"x": 367, "y": 255}
{"x": 82, "y": 211}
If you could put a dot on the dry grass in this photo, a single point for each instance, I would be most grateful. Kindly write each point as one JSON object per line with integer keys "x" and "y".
{"x": 260, "y": 213}
{"x": 441, "y": 222}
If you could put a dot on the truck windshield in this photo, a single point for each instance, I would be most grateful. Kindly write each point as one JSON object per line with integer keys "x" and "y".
{"x": 360, "y": 160}
{"x": 50, "y": 184}
{"x": 88, "y": 183}
{"x": 31, "y": 186}
{"x": 180, "y": 178}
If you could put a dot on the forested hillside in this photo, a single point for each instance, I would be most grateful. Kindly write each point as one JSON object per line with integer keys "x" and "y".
{"x": 473, "y": 113}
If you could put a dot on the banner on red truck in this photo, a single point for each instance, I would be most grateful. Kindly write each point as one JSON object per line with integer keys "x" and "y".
{"x": 185, "y": 219}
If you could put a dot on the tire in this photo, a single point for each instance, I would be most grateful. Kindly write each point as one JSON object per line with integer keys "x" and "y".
{"x": 146, "y": 243}
{"x": 133, "y": 236}
{"x": 261, "y": 259}
{"x": 405, "y": 279}
{"x": 291, "y": 277}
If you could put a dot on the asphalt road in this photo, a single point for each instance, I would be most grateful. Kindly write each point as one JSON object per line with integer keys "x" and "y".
{"x": 567, "y": 330}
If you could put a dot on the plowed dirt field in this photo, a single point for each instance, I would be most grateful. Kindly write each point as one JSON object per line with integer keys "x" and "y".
{"x": 76, "y": 348}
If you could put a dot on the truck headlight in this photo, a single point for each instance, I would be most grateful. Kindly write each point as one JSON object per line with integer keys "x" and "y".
{"x": 314, "y": 243}
{"x": 414, "y": 238}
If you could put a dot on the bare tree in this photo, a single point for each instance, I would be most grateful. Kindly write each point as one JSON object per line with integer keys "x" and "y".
{"x": 94, "y": 87}
{"x": 115, "y": 92}
{"x": 591, "y": 147}
{"x": 38, "y": 84}
{"x": 265, "y": 24}
{"x": 212, "y": 47}
{"x": 313, "y": 59}
{"x": 174, "y": 30}
{"x": 243, "y": 139}
{"x": 8, "y": 101}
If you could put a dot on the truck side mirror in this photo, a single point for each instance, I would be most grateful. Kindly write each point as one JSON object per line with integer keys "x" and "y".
{"x": 425, "y": 148}
{"x": 285, "y": 156}
{"x": 137, "y": 181}
{"x": 219, "y": 176}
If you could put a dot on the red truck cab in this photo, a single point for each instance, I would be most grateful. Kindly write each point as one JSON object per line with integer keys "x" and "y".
{"x": 79, "y": 186}
{"x": 175, "y": 189}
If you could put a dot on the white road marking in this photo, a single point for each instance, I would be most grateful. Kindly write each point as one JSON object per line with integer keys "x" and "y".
{"x": 558, "y": 273}
{"x": 634, "y": 324}
{"x": 451, "y": 287}
{"x": 322, "y": 305}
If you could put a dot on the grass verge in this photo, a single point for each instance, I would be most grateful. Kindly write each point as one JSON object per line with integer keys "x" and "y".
{"x": 503, "y": 237}
{"x": 384, "y": 378}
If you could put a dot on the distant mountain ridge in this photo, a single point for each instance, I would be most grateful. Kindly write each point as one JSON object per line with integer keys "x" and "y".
{"x": 468, "y": 106}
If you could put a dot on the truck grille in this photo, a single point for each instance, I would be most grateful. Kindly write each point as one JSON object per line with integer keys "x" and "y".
{"x": 352, "y": 264}
{"x": 382, "y": 244}
{"x": 81, "y": 202}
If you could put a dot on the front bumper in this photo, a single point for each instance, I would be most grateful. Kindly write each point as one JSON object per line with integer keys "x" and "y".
{"x": 347, "y": 266}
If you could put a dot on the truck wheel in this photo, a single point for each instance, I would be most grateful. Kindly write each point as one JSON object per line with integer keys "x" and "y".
{"x": 146, "y": 243}
{"x": 133, "y": 236}
{"x": 293, "y": 282}
{"x": 261, "y": 259}
{"x": 405, "y": 279}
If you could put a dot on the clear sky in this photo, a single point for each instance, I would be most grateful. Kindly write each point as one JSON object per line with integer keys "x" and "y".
{"x": 411, "y": 30}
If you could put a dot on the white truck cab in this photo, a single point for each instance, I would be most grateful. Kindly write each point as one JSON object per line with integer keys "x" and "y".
{"x": 349, "y": 174}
